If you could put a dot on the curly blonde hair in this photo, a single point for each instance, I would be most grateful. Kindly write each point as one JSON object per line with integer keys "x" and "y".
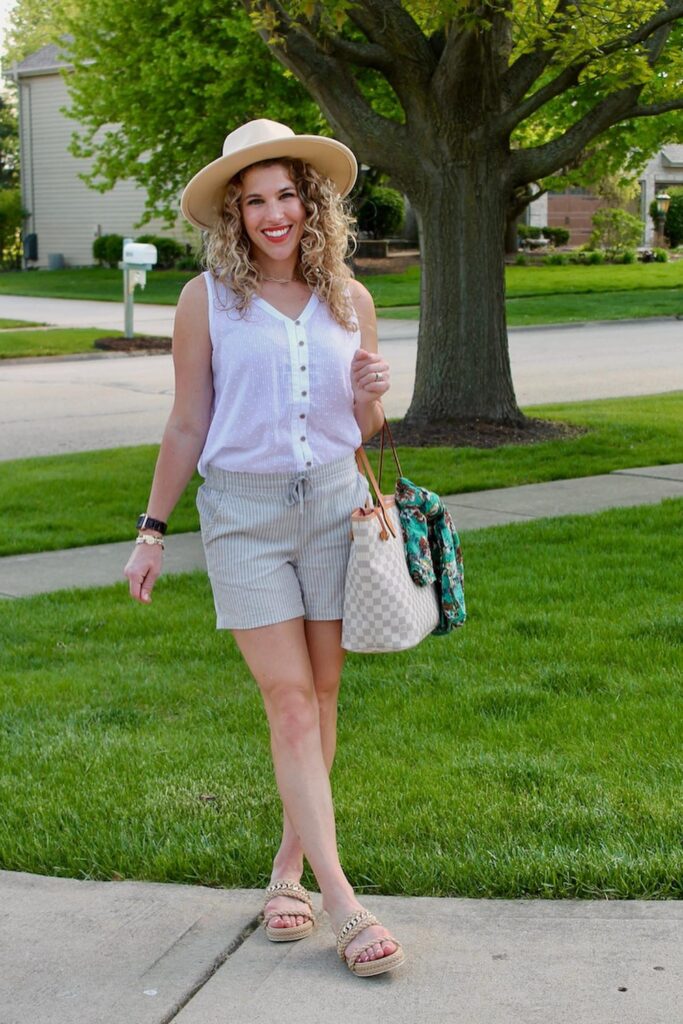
{"x": 326, "y": 240}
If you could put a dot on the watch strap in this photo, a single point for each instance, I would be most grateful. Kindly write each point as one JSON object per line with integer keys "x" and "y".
{"x": 146, "y": 522}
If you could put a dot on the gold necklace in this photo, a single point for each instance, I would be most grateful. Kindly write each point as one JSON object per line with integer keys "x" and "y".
{"x": 277, "y": 280}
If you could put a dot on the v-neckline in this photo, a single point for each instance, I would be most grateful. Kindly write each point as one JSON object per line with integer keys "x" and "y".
{"x": 303, "y": 315}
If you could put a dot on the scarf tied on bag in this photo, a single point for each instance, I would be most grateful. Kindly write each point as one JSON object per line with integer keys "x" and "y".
{"x": 433, "y": 550}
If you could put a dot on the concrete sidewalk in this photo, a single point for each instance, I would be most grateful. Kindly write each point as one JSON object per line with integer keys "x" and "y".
{"x": 101, "y": 565}
{"x": 85, "y": 952}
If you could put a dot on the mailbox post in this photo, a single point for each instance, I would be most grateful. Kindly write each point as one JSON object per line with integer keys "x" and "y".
{"x": 138, "y": 258}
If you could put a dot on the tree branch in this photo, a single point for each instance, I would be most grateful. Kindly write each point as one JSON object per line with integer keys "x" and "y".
{"x": 656, "y": 108}
{"x": 664, "y": 17}
{"x": 377, "y": 140}
{"x": 388, "y": 24}
{"x": 366, "y": 55}
{"x": 540, "y": 161}
{"x": 655, "y": 31}
{"x": 410, "y": 60}
{"x": 528, "y": 67}
{"x": 469, "y": 47}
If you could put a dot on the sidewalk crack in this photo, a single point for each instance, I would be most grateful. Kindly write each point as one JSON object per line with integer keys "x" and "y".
{"x": 214, "y": 966}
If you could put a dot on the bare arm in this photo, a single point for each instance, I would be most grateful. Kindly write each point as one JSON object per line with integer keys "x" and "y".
{"x": 367, "y": 390}
{"x": 185, "y": 432}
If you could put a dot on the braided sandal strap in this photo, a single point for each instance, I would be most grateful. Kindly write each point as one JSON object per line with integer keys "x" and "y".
{"x": 354, "y": 925}
{"x": 368, "y": 945}
{"x": 292, "y": 889}
{"x": 267, "y": 918}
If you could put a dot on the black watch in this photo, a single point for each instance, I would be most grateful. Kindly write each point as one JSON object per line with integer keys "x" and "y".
{"x": 146, "y": 522}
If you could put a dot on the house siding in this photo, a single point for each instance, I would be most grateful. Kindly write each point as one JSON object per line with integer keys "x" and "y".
{"x": 65, "y": 214}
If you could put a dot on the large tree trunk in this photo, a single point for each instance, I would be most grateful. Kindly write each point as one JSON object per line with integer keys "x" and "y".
{"x": 463, "y": 368}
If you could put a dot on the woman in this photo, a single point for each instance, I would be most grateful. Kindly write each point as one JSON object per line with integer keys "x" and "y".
{"x": 278, "y": 381}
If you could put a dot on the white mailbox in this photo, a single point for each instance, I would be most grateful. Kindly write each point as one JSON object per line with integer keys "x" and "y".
{"x": 138, "y": 258}
{"x": 139, "y": 255}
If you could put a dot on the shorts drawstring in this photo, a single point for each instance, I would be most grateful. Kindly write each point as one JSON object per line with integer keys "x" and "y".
{"x": 297, "y": 489}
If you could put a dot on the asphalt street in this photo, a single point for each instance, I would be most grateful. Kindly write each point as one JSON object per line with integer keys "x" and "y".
{"x": 105, "y": 401}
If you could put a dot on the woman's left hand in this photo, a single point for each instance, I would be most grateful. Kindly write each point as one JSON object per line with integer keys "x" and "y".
{"x": 369, "y": 376}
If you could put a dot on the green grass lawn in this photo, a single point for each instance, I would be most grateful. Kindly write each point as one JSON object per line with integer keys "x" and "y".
{"x": 395, "y": 290}
{"x": 574, "y": 308}
{"x": 6, "y": 324}
{"x": 102, "y": 492}
{"x": 57, "y": 342}
{"x": 534, "y": 753}
{"x": 164, "y": 286}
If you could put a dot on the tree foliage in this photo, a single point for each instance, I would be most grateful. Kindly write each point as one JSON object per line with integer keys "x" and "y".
{"x": 34, "y": 24}
{"x": 11, "y": 219}
{"x": 615, "y": 229}
{"x": 197, "y": 72}
{"x": 9, "y": 145}
{"x": 673, "y": 223}
{"x": 157, "y": 87}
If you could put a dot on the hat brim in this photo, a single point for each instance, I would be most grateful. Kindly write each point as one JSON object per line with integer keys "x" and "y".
{"x": 202, "y": 200}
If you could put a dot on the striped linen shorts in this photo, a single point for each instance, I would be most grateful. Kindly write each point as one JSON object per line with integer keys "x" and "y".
{"x": 277, "y": 544}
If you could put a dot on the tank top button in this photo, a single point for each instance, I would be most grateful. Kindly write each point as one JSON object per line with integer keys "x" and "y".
{"x": 297, "y": 322}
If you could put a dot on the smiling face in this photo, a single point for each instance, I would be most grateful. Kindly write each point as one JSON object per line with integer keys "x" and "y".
{"x": 273, "y": 215}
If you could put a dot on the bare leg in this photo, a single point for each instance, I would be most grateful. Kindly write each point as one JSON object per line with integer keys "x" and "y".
{"x": 326, "y": 654}
{"x": 279, "y": 659}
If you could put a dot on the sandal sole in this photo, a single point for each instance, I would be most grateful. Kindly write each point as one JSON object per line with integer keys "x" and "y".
{"x": 299, "y": 931}
{"x": 371, "y": 967}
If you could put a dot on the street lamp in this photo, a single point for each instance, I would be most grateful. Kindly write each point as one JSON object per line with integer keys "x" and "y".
{"x": 662, "y": 199}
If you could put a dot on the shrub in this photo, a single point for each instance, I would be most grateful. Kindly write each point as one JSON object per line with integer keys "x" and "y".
{"x": 528, "y": 231}
{"x": 660, "y": 255}
{"x": 615, "y": 229}
{"x": 595, "y": 257}
{"x": 187, "y": 262}
{"x": 673, "y": 224}
{"x": 11, "y": 219}
{"x": 108, "y": 250}
{"x": 558, "y": 236}
{"x": 168, "y": 250}
{"x": 522, "y": 260}
{"x": 381, "y": 213}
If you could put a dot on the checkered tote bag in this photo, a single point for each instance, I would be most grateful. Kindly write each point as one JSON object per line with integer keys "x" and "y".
{"x": 384, "y": 610}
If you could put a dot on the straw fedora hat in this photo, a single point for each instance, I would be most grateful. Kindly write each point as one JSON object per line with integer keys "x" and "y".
{"x": 202, "y": 200}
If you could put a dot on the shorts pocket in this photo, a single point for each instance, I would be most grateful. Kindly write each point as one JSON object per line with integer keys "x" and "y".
{"x": 209, "y": 503}
{"x": 362, "y": 491}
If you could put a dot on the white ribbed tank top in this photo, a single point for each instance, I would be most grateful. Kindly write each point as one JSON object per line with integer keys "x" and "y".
{"x": 282, "y": 396}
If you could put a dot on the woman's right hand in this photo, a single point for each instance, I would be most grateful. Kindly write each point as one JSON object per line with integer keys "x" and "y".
{"x": 143, "y": 570}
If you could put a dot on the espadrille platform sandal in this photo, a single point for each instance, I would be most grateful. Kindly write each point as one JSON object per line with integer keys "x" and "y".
{"x": 298, "y": 931}
{"x": 353, "y": 926}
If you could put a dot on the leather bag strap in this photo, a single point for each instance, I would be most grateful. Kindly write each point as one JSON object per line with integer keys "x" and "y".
{"x": 386, "y": 429}
{"x": 365, "y": 467}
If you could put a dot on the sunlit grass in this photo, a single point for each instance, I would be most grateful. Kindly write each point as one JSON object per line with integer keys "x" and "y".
{"x": 535, "y": 752}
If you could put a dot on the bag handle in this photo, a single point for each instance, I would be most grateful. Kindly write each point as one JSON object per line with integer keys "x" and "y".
{"x": 385, "y": 426}
{"x": 365, "y": 467}
{"x": 387, "y": 429}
